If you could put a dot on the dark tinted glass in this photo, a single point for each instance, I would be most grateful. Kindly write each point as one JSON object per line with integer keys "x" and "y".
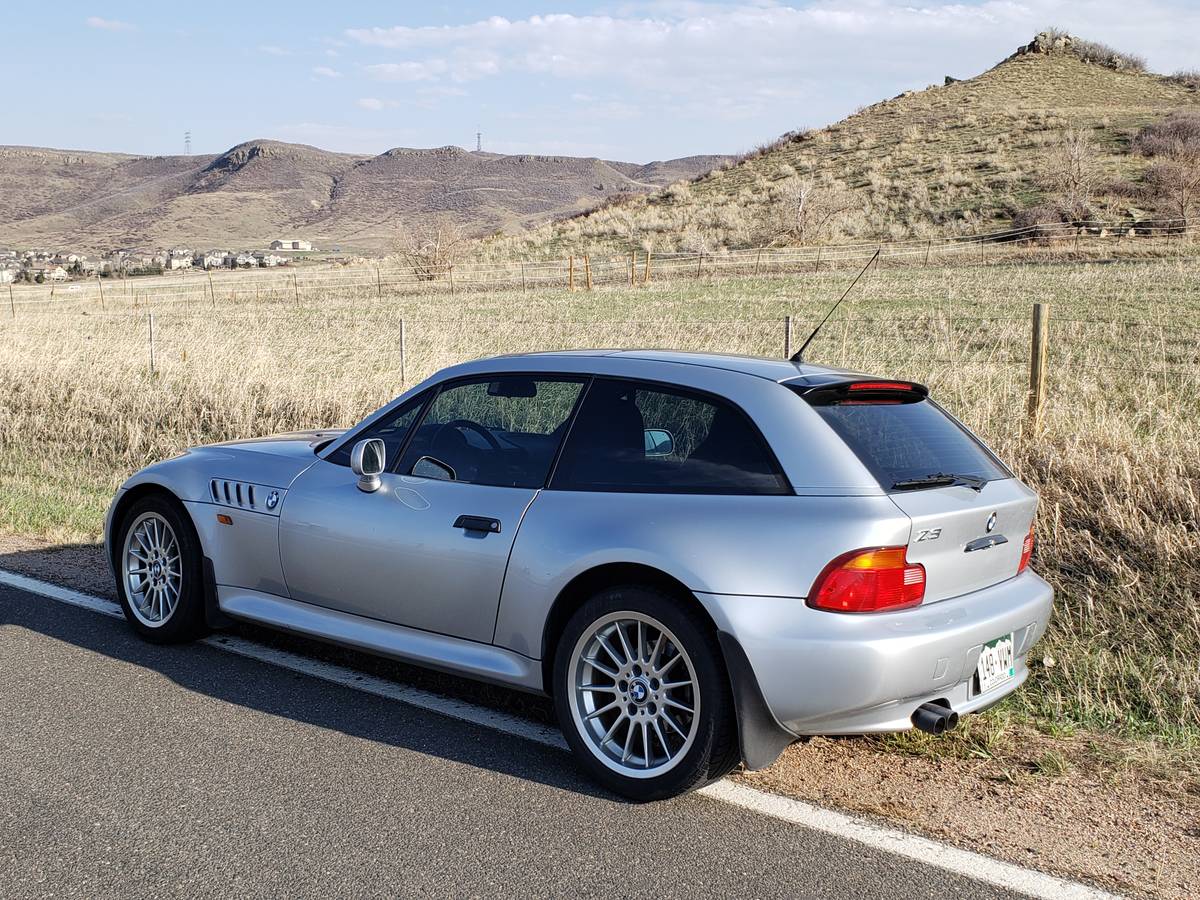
{"x": 638, "y": 437}
{"x": 391, "y": 429}
{"x": 904, "y": 441}
{"x": 503, "y": 431}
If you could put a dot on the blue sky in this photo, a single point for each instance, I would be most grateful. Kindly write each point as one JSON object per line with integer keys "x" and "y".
{"x": 623, "y": 80}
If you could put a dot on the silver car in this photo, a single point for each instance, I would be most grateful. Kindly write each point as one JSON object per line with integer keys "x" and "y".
{"x": 702, "y": 558}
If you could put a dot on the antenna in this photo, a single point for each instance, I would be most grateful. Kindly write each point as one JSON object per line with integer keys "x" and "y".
{"x": 798, "y": 356}
{"x": 478, "y": 141}
{"x": 187, "y": 143}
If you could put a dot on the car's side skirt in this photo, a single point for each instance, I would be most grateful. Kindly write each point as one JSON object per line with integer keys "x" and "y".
{"x": 470, "y": 659}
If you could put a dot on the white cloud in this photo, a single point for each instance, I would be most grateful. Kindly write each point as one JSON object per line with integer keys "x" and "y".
{"x": 371, "y": 103}
{"x": 108, "y": 24}
{"x": 273, "y": 50}
{"x": 407, "y": 71}
{"x": 326, "y": 72}
{"x": 696, "y": 48}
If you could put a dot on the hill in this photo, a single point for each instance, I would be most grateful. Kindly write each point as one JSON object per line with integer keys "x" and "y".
{"x": 263, "y": 189}
{"x": 956, "y": 158}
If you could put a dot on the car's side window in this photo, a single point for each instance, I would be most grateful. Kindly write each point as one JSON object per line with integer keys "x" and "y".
{"x": 631, "y": 436}
{"x": 392, "y": 429}
{"x": 502, "y": 430}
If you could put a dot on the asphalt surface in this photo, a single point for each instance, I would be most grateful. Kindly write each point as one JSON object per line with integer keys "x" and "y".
{"x": 133, "y": 770}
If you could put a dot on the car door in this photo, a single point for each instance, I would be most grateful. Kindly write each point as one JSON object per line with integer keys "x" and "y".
{"x": 429, "y": 548}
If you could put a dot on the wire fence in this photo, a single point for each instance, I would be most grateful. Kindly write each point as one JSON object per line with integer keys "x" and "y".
{"x": 385, "y": 280}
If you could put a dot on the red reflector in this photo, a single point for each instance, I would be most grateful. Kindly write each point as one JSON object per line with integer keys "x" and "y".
{"x": 880, "y": 386}
{"x": 870, "y": 580}
{"x": 1026, "y": 551}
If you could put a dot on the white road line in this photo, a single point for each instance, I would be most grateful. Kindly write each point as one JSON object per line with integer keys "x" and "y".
{"x": 891, "y": 840}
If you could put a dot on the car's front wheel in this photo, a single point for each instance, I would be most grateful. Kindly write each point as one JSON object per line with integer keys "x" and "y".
{"x": 158, "y": 564}
{"x": 642, "y": 694}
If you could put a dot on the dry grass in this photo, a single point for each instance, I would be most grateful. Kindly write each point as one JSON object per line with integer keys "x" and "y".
{"x": 1116, "y": 466}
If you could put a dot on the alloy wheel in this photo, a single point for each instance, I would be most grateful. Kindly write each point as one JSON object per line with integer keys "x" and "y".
{"x": 153, "y": 569}
{"x": 635, "y": 694}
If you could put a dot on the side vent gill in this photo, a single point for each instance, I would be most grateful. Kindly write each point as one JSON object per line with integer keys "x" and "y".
{"x": 233, "y": 493}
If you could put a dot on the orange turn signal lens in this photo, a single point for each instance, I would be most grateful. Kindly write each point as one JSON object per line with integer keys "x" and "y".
{"x": 870, "y": 580}
{"x": 224, "y": 519}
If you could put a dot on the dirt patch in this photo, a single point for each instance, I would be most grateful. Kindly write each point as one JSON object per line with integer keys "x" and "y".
{"x": 1068, "y": 806}
{"x": 1087, "y": 806}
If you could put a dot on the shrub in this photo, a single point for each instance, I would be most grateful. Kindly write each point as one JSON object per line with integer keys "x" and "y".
{"x": 1104, "y": 55}
{"x": 1042, "y": 224}
{"x": 1189, "y": 78}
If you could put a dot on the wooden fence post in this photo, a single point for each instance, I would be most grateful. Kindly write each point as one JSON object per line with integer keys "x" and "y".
{"x": 757, "y": 260}
{"x": 403, "y": 374}
{"x": 571, "y": 274}
{"x": 699, "y": 263}
{"x": 378, "y": 284}
{"x": 632, "y": 265}
{"x": 1037, "y": 365}
{"x": 787, "y": 337}
{"x": 646, "y": 269}
{"x": 212, "y": 291}
{"x": 522, "y": 276}
{"x": 296, "y": 289}
{"x": 100, "y": 285}
{"x": 587, "y": 271}
{"x": 818, "y": 266}
{"x": 451, "y": 270}
{"x": 150, "y": 316}
{"x": 12, "y": 305}
{"x": 928, "y": 244}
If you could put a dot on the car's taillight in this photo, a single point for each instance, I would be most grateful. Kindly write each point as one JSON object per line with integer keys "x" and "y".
{"x": 1026, "y": 551}
{"x": 869, "y": 580}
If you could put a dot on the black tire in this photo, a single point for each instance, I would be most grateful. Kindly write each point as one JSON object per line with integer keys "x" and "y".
{"x": 714, "y": 751}
{"x": 186, "y": 621}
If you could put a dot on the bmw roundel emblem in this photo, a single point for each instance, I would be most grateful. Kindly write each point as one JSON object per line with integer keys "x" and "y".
{"x": 991, "y": 522}
{"x": 273, "y": 501}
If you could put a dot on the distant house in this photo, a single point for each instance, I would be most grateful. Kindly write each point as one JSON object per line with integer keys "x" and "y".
{"x": 213, "y": 259}
{"x": 49, "y": 272}
{"x": 8, "y": 274}
{"x": 291, "y": 245}
{"x": 270, "y": 259}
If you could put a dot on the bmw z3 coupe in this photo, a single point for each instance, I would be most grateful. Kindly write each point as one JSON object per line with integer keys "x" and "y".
{"x": 700, "y": 557}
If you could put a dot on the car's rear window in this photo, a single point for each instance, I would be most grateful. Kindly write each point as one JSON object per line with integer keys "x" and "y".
{"x": 902, "y": 442}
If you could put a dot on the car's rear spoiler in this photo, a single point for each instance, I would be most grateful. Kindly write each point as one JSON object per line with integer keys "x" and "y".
{"x": 842, "y": 389}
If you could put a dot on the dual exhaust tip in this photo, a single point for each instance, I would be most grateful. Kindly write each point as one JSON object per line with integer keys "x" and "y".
{"x": 934, "y": 718}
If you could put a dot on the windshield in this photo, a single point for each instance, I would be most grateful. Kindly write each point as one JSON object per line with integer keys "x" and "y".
{"x": 907, "y": 444}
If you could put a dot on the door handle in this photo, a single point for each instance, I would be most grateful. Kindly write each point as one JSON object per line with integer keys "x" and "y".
{"x": 478, "y": 523}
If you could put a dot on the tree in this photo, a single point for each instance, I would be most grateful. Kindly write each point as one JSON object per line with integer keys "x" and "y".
{"x": 431, "y": 246}
{"x": 1073, "y": 174}
{"x": 804, "y": 209}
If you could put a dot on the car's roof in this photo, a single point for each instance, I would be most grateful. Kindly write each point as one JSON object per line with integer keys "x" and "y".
{"x": 760, "y": 366}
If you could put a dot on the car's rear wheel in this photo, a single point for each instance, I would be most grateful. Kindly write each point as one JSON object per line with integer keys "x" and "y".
{"x": 642, "y": 694}
{"x": 159, "y": 570}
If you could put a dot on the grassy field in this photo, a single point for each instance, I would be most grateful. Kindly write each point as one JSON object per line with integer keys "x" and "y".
{"x": 1116, "y": 463}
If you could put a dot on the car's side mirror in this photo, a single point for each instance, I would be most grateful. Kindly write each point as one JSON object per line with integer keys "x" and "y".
{"x": 431, "y": 467}
{"x": 367, "y": 460}
{"x": 658, "y": 442}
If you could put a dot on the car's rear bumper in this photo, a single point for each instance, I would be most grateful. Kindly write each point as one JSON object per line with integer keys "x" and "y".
{"x": 833, "y": 673}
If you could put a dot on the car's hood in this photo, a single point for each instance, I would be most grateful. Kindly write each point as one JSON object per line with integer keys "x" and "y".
{"x": 293, "y": 443}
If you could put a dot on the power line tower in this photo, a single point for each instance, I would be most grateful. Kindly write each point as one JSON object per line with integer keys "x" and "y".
{"x": 478, "y": 141}
{"x": 187, "y": 143}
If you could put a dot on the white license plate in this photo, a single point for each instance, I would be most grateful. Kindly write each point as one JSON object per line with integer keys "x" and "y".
{"x": 997, "y": 663}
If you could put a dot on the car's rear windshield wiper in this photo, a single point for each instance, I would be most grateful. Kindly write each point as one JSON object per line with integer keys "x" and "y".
{"x": 939, "y": 479}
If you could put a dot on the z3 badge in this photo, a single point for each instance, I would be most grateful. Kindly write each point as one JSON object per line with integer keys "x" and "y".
{"x": 929, "y": 534}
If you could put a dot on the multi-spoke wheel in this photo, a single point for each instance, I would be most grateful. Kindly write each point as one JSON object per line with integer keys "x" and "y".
{"x": 642, "y": 695}
{"x": 156, "y": 556}
{"x": 153, "y": 569}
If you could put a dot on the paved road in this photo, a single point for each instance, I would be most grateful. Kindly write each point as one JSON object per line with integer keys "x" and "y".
{"x": 133, "y": 770}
